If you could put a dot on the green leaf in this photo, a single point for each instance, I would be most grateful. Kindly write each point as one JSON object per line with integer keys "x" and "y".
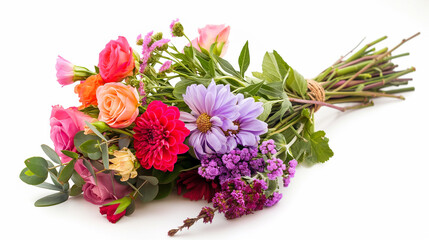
{"x": 267, "y": 110}
{"x": 251, "y": 89}
{"x": 152, "y": 180}
{"x": 91, "y": 111}
{"x": 285, "y": 106}
{"x": 130, "y": 209}
{"x": 51, "y": 154}
{"x": 274, "y": 89}
{"x": 272, "y": 186}
{"x": 105, "y": 155}
{"x": 281, "y": 64}
{"x": 164, "y": 190}
{"x": 95, "y": 155}
{"x": 70, "y": 154}
{"x": 88, "y": 166}
{"x": 95, "y": 130}
{"x": 296, "y": 83}
{"x": 77, "y": 179}
{"x": 49, "y": 186}
{"x": 320, "y": 150}
{"x": 148, "y": 192}
{"x": 244, "y": 59}
{"x": 212, "y": 68}
{"x": 67, "y": 172}
{"x": 90, "y": 146}
{"x": 75, "y": 190}
{"x": 270, "y": 69}
{"x": 180, "y": 87}
{"x": 38, "y": 166}
{"x": 30, "y": 178}
{"x": 81, "y": 137}
{"x": 227, "y": 67}
{"x": 280, "y": 141}
{"x": 52, "y": 199}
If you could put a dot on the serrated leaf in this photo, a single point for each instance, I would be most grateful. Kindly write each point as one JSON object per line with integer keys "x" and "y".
{"x": 252, "y": 89}
{"x": 227, "y": 67}
{"x": 296, "y": 83}
{"x": 274, "y": 90}
{"x": 52, "y": 199}
{"x": 270, "y": 69}
{"x": 38, "y": 166}
{"x": 244, "y": 59}
{"x": 212, "y": 68}
{"x": 320, "y": 149}
{"x": 267, "y": 110}
{"x": 51, "y": 153}
{"x": 67, "y": 172}
{"x": 283, "y": 67}
{"x": 95, "y": 130}
{"x": 30, "y": 178}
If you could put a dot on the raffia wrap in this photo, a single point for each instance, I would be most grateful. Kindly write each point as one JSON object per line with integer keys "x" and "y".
{"x": 316, "y": 92}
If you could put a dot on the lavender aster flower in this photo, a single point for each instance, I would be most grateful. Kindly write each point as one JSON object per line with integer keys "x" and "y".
{"x": 249, "y": 127}
{"x": 213, "y": 111}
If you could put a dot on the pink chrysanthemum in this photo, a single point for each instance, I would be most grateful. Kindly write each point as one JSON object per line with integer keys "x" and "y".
{"x": 159, "y": 136}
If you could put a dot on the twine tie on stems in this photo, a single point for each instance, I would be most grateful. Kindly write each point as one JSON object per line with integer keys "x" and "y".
{"x": 316, "y": 93}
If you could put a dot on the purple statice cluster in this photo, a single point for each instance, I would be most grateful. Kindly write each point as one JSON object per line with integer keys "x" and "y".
{"x": 235, "y": 164}
{"x": 238, "y": 198}
{"x": 148, "y": 48}
{"x": 275, "y": 168}
{"x": 290, "y": 172}
{"x": 273, "y": 199}
{"x": 268, "y": 146}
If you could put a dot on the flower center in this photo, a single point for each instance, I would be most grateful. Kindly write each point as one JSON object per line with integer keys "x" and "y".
{"x": 230, "y": 131}
{"x": 203, "y": 123}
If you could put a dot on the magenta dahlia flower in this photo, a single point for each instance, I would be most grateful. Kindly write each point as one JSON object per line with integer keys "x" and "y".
{"x": 159, "y": 136}
{"x": 249, "y": 127}
{"x": 213, "y": 111}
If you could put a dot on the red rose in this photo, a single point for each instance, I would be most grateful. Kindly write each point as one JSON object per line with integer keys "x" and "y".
{"x": 116, "y": 61}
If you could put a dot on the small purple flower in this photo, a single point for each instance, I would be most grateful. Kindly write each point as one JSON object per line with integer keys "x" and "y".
{"x": 147, "y": 50}
{"x": 273, "y": 199}
{"x": 268, "y": 146}
{"x": 207, "y": 213}
{"x": 213, "y": 110}
{"x": 275, "y": 168}
{"x": 165, "y": 66}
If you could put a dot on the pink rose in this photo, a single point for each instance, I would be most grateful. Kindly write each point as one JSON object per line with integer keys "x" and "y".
{"x": 65, "y": 123}
{"x": 105, "y": 190}
{"x": 212, "y": 34}
{"x": 116, "y": 61}
{"x": 118, "y": 104}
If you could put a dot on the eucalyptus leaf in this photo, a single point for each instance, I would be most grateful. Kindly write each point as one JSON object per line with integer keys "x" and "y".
{"x": 90, "y": 146}
{"x": 51, "y": 153}
{"x": 88, "y": 166}
{"x": 105, "y": 155}
{"x": 124, "y": 141}
{"x": 67, "y": 172}
{"x": 30, "y": 178}
{"x": 94, "y": 155}
{"x": 38, "y": 166}
{"x": 81, "y": 137}
{"x": 75, "y": 190}
{"x": 152, "y": 180}
{"x": 164, "y": 190}
{"x": 147, "y": 191}
{"x": 95, "y": 130}
{"x": 49, "y": 186}
{"x": 70, "y": 154}
{"x": 52, "y": 199}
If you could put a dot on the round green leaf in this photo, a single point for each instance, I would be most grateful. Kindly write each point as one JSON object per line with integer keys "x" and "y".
{"x": 90, "y": 146}
{"x": 164, "y": 190}
{"x": 29, "y": 177}
{"x": 67, "y": 172}
{"x": 75, "y": 190}
{"x": 148, "y": 192}
{"x": 38, "y": 166}
{"x": 52, "y": 199}
{"x": 80, "y": 138}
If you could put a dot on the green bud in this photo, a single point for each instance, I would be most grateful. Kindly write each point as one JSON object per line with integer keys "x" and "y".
{"x": 157, "y": 36}
{"x": 112, "y": 148}
{"x": 81, "y": 73}
{"x": 178, "y": 30}
{"x": 101, "y": 126}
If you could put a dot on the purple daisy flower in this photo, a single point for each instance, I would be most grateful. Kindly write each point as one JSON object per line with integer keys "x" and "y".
{"x": 213, "y": 111}
{"x": 248, "y": 126}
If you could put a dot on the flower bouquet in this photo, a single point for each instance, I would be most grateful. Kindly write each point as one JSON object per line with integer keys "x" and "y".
{"x": 167, "y": 118}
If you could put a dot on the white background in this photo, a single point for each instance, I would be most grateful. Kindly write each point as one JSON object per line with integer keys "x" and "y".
{"x": 375, "y": 186}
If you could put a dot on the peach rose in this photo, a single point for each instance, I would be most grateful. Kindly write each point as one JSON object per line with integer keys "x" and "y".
{"x": 87, "y": 91}
{"x": 118, "y": 104}
{"x": 116, "y": 61}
